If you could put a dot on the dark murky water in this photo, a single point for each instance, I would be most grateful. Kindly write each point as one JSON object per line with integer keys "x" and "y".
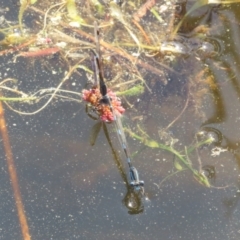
{"x": 72, "y": 190}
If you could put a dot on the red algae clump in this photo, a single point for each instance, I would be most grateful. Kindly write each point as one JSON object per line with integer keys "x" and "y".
{"x": 93, "y": 96}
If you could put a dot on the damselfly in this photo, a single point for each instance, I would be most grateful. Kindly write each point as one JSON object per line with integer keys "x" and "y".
{"x": 104, "y": 100}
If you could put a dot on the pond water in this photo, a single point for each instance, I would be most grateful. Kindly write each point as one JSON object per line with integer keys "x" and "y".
{"x": 72, "y": 190}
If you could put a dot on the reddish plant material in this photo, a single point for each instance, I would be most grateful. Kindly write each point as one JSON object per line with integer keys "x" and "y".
{"x": 93, "y": 96}
{"x": 142, "y": 31}
{"x": 143, "y": 10}
{"x": 40, "y": 52}
{"x": 18, "y": 47}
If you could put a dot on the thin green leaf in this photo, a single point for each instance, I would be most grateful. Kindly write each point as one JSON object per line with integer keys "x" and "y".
{"x": 72, "y": 11}
{"x": 134, "y": 91}
{"x": 177, "y": 165}
{"x": 23, "y": 6}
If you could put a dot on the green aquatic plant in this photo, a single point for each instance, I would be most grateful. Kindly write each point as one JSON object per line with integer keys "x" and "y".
{"x": 73, "y": 13}
{"x": 182, "y": 162}
{"x": 13, "y": 39}
{"x": 17, "y": 99}
{"x": 156, "y": 14}
{"x": 134, "y": 91}
{"x": 100, "y": 8}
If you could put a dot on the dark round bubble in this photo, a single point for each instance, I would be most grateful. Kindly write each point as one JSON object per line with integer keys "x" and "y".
{"x": 206, "y": 49}
{"x": 178, "y": 8}
{"x": 209, "y": 171}
{"x": 133, "y": 202}
{"x": 210, "y": 132}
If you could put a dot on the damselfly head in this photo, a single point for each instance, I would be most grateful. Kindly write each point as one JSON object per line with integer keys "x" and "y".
{"x": 137, "y": 184}
{"x": 105, "y": 100}
{"x": 134, "y": 176}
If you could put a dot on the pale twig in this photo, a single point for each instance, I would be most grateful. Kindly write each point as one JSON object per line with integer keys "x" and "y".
{"x": 46, "y": 14}
{"x": 8, "y": 80}
{"x": 52, "y": 95}
{"x": 179, "y": 115}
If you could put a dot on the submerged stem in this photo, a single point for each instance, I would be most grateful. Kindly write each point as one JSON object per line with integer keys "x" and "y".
{"x": 13, "y": 177}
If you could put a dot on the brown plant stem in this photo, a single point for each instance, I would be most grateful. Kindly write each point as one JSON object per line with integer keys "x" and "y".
{"x": 142, "y": 31}
{"x": 18, "y": 47}
{"x": 13, "y": 176}
{"x": 142, "y": 11}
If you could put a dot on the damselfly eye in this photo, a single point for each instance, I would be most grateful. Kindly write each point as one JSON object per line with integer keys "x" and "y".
{"x": 105, "y": 101}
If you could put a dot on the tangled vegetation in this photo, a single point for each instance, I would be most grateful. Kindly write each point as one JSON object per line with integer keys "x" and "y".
{"x": 151, "y": 54}
{"x": 139, "y": 40}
